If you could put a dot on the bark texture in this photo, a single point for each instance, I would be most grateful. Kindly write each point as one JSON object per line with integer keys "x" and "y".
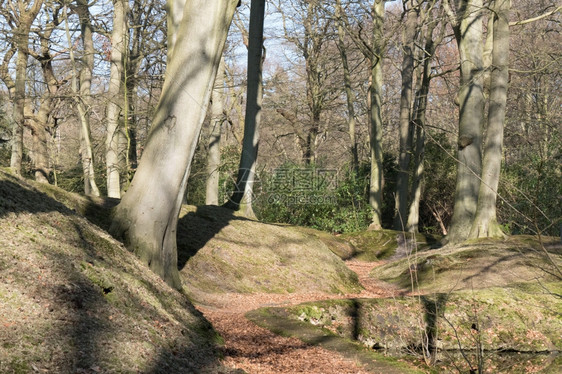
{"x": 485, "y": 223}
{"x": 146, "y": 219}
{"x": 471, "y": 102}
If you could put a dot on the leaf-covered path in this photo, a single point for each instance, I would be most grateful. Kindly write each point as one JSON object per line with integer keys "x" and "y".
{"x": 258, "y": 350}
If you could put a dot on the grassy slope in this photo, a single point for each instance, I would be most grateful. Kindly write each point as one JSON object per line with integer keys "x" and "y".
{"x": 222, "y": 252}
{"x": 476, "y": 264}
{"x": 72, "y": 299}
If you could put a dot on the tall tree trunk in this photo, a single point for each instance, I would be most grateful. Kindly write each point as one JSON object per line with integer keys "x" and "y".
{"x": 406, "y": 127}
{"x": 243, "y": 194}
{"x": 485, "y": 223}
{"x": 375, "y": 93}
{"x": 146, "y": 219}
{"x": 84, "y": 102}
{"x": 419, "y": 122}
{"x": 214, "y": 155}
{"x": 115, "y": 103}
{"x": 350, "y": 97}
{"x": 471, "y": 101}
{"x": 26, "y": 14}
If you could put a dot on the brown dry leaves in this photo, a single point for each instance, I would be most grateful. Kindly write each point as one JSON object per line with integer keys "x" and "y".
{"x": 257, "y": 350}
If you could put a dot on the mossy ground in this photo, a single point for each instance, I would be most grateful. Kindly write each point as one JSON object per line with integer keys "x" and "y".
{"x": 505, "y": 319}
{"x": 496, "y": 295}
{"x": 476, "y": 264}
{"x": 385, "y": 244}
{"x": 73, "y": 300}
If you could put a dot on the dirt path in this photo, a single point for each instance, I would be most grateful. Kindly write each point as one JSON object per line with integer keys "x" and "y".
{"x": 258, "y": 351}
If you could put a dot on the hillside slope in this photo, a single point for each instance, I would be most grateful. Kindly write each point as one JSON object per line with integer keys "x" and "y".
{"x": 220, "y": 251}
{"x": 73, "y": 300}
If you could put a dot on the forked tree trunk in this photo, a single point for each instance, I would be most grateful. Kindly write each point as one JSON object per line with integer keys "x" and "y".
{"x": 146, "y": 219}
{"x": 214, "y": 154}
{"x": 471, "y": 102}
{"x": 485, "y": 223}
{"x": 115, "y": 103}
{"x": 376, "y": 182}
{"x": 242, "y": 197}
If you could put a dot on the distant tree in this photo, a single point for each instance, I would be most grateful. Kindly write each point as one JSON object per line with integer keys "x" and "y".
{"x": 41, "y": 122}
{"x": 349, "y": 94}
{"x": 214, "y": 151}
{"x": 241, "y": 199}
{"x": 82, "y": 90}
{"x": 115, "y": 105}
{"x": 409, "y": 31}
{"x": 146, "y": 219}
{"x": 20, "y": 15}
{"x": 431, "y": 17}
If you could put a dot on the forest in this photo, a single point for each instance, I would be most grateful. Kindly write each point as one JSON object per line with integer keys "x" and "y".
{"x": 428, "y": 124}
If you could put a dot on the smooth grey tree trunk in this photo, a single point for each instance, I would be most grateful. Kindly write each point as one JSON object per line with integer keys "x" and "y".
{"x": 375, "y": 114}
{"x": 471, "y": 102}
{"x": 485, "y": 223}
{"x": 242, "y": 197}
{"x": 115, "y": 104}
{"x": 146, "y": 219}
{"x": 214, "y": 153}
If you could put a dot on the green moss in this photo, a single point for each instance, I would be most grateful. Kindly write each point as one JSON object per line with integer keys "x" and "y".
{"x": 97, "y": 277}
